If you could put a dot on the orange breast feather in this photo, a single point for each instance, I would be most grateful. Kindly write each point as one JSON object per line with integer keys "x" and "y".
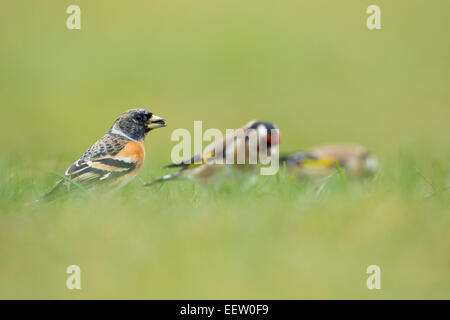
{"x": 134, "y": 151}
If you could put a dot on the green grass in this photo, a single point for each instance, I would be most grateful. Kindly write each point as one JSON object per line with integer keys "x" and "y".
{"x": 311, "y": 67}
{"x": 266, "y": 238}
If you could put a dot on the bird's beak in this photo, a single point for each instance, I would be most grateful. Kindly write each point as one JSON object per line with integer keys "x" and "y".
{"x": 156, "y": 122}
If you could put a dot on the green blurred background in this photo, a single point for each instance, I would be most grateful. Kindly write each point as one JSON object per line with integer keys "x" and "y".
{"x": 311, "y": 67}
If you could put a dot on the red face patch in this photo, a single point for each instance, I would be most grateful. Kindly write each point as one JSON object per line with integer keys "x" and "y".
{"x": 272, "y": 139}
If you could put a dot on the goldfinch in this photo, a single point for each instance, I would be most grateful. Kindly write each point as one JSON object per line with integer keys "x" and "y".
{"x": 115, "y": 158}
{"x": 234, "y": 147}
{"x": 321, "y": 161}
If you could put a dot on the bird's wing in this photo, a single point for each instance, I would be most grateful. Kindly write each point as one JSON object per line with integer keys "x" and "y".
{"x": 108, "y": 145}
{"x": 340, "y": 152}
{"x": 215, "y": 150}
{"x": 195, "y": 161}
{"x": 308, "y": 160}
{"x": 296, "y": 158}
{"x": 108, "y": 159}
{"x": 89, "y": 171}
{"x": 210, "y": 152}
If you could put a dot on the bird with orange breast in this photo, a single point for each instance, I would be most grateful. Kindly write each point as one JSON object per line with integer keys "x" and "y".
{"x": 115, "y": 159}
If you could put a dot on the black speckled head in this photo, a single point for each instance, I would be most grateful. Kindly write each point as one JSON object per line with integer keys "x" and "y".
{"x": 136, "y": 123}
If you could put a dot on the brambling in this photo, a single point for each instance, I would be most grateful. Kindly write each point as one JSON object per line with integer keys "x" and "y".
{"x": 116, "y": 158}
{"x": 321, "y": 161}
{"x": 219, "y": 154}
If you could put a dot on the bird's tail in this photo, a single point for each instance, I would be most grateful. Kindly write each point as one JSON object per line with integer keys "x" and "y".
{"x": 167, "y": 177}
{"x": 52, "y": 193}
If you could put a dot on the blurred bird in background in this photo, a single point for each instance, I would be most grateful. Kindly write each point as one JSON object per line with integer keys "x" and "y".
{"x": 202, "y": 167}
{"x": 321, "y": 161}
{"x": 114, "y": 159}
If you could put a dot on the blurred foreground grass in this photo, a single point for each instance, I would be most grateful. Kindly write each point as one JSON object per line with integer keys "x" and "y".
{"x": 264, "y": 238}
{"x": 311, "y": 67}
